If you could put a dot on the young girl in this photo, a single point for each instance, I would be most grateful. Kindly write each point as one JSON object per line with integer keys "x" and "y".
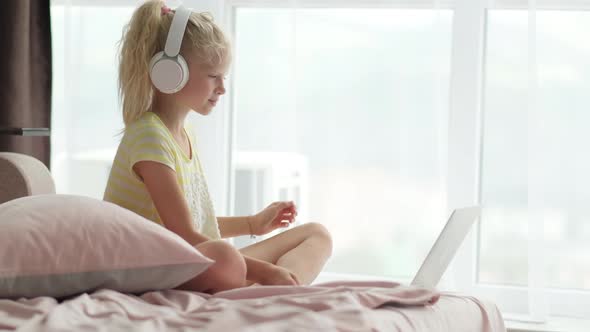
{"x": 157, "y": 173}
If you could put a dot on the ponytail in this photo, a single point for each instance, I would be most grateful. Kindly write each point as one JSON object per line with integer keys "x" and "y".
{"x": 143, "y": 37}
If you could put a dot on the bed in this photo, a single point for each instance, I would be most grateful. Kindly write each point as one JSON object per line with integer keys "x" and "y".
{"x": 325, "y": 306}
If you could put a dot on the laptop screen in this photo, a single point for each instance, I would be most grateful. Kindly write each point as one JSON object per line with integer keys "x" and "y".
{"x": 445, "y": 247}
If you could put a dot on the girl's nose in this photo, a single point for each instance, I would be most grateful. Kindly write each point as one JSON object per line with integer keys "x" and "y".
{"x": 220, "y": 89}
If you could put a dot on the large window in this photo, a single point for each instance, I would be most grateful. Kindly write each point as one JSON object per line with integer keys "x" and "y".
{"x": 358, "y": 99}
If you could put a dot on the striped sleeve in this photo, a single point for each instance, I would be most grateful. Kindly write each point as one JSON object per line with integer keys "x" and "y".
{"x": 150, "y": 143}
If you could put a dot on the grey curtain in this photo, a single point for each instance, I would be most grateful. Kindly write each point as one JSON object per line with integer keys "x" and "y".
{"x": 25, "y": 75}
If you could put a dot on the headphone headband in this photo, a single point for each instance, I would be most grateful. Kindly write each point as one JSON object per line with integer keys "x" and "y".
{"x": 176, "y": 32}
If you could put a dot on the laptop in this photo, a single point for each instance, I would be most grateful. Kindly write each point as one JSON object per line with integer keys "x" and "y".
{"x": 448, "y": 242}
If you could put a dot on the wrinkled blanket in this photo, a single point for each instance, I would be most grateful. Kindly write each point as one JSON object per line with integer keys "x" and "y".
{"x": 334, "y": 306}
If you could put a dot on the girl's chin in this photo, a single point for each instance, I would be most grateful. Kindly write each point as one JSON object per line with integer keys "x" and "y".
{"x": 203, "y": 110}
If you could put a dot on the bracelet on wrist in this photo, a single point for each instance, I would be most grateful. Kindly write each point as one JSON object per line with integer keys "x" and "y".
{"x": 252, "y": 235}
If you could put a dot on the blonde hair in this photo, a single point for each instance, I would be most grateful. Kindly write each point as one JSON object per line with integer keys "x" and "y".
{"x": 145, "y": 35}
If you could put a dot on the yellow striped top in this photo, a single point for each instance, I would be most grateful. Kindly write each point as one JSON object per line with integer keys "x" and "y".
{"x": 149, "y": 139}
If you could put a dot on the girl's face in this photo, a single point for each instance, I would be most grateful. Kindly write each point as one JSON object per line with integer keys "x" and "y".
{"x": 204, "y": 87}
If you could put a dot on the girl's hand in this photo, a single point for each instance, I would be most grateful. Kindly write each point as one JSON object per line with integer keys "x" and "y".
{"x": 276, "y": 215}
{"x": 277, "y": 275}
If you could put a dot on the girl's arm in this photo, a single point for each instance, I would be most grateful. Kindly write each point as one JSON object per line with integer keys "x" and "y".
{"x": 160, "y": 181}
{"x": 277, "y": 215}
{"x": 167, "y": 196}
{"x": 235, "y": 226}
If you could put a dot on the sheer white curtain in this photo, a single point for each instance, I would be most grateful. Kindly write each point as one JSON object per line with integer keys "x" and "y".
{"x": 536, "y": 205}
{"x": 532, "y": 184}
{"x": 475, "y": 173}
{"x": 536, "y": 208}
{"x": 86, "y": 116}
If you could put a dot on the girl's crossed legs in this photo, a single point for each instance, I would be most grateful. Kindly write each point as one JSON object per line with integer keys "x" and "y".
{"x": 302, "y": 250}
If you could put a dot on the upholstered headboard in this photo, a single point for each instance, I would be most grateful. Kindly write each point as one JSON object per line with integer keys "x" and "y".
{"x": 22, "y": 175}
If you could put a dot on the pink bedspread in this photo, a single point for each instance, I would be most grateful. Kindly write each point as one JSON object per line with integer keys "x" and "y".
{"x": 335, "y": 306}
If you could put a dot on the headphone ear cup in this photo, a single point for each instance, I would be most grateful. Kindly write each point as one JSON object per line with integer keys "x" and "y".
{"x": 168, "y": 74}
{"x": 185, "y": 71}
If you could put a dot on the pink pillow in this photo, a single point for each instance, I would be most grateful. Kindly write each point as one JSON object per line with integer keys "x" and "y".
{"x": 61, "y": 245}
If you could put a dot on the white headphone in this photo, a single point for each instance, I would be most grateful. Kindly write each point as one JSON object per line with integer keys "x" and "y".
{"x": 168, "y": 69}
